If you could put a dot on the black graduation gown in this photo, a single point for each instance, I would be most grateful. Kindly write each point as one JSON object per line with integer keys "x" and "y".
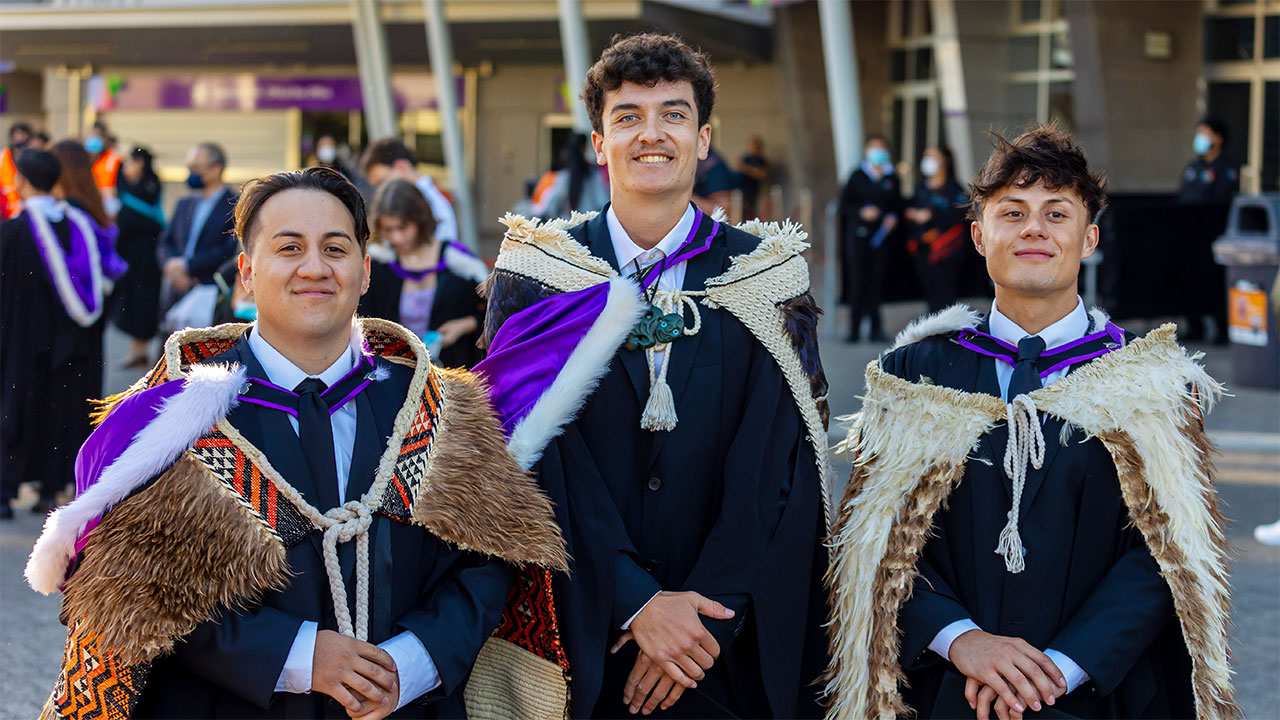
{"x": 728, "y": 504}
{"x": 1091, "y": 588}
{"x": 50, "y": 367}
{"x": 456, "y": 297}
{"x": 136, "y": 300}
{"x": 862, "y": 268}
{"x": 449, "y": 598}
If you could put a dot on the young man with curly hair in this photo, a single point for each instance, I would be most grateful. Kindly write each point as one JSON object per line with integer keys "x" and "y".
{"x": 1030, "y": 528}
{"x": 689, "y": 476}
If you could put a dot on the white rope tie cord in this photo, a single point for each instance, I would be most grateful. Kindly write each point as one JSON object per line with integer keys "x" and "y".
{"x": 660, "y": 409}
{"x": 344, "y": 523}
{"x": 1025, "y": 446}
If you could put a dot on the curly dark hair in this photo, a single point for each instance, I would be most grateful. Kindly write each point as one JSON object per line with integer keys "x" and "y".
{"x": 1042, "y": 155}
{"x": 648, "y": 59}
{"x": 256, "y": 192}
{"x": 402, "y": 199}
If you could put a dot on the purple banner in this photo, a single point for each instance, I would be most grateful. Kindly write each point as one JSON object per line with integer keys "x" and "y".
{"x": 247, "y": 92}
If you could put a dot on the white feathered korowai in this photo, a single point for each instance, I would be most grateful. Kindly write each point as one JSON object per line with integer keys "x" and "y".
{"x": 912, "y": 441}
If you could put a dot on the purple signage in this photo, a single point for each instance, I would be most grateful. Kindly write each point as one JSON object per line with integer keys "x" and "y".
{"x": 247, "y": 91}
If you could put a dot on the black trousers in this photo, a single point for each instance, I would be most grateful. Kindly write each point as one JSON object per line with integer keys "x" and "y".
{"x": 940, "y": 280}
{"x": 863, "y": 270}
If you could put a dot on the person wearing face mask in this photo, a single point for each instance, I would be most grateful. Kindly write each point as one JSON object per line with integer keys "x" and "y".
{"x": 1211, "y": 178}
{"x": 328, "y": 155}
{"x": 426, "y": 284}
{"x": 20, "y": 135}
{"x": 869, "y": 207}
{"x": 200, "y": 236}
{"x": 936, "y": 230}
{"x": 101, "y": 146}
{"x": 1208, "y": 184}
{"x": 140, "y": 220}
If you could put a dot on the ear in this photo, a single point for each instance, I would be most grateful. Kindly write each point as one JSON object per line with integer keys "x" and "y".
{"x": 975, "y": 229}
{"x": 597, "y": 143}
{"x": 245, "y": 266}
{"x": 1090, "y": 241}
{"x": 704, "y": 141}
{"x": 364, "y": 286}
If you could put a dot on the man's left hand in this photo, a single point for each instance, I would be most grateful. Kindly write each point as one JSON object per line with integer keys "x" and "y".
{"x": 377, "y": 711}
{"x": 647, "y": 683}
{"x": 1002, "y": 710}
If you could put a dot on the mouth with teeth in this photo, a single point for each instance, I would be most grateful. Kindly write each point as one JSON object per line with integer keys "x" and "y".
{"x": 654, "y": 159}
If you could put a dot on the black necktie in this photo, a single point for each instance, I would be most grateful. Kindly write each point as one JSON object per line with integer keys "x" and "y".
{"x": 1026, "y": 376}
{"x": 315, "y": 430}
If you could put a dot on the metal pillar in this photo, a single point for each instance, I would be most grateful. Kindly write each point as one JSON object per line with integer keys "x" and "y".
{"x": 441, "y": 52}
{"x": 838, "y": 52}
{"x": 374, "y": 65}
{"x": 577, "y": 57}
{"x": 955, "y": 106}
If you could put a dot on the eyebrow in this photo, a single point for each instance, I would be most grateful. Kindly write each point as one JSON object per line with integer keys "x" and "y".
{"x": 677, "y": 102}
{"x": 1020, "y": 201}
{"x": 296, "y": 234}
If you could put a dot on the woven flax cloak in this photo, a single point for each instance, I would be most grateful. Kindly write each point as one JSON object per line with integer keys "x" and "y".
{"x": 226, "y": 517}
{"x": 1144, "y": 402}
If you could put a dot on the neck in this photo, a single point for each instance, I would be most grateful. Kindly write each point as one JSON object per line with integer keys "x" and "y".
{"x": 937, "y": 181}
{"x": 1034, "y": 314}
{"x": 423, "y": 256}
{"x": 211, "y": 189}
{"x": 1212, "y": 154}
{"x": 311, "y": 355}
{"x": 647, "y": 220}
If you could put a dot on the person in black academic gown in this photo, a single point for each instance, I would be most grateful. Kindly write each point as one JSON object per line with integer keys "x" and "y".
{"x": 669, "y": 529}
{"x": 869, "y": 206}
{"x": 50, "y": 364}
{"x": 937, "y": 233}
{"x": 1088, "y": 628}
{"x": 141, "y": 219}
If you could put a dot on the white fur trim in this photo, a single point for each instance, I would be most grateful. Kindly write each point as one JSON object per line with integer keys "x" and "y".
{"x": 465, "y": 264}
{"x": 1100, "y": 318}
{"x": 210, "y": 393}
{"x": 956, "y": 317}
{"x": 587, "y": 364}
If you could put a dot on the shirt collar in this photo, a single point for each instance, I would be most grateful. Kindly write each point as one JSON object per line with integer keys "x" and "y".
{"x": 1073, "y": 326}
{"x": 281, "y": 371}
{"x": 627, "y": 250}
{"x": 46, "y": 206}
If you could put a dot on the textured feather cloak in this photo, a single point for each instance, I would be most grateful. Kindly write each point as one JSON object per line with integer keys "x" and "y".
{"x": 222, "y": 517}
{"x": 1144, "y": 402}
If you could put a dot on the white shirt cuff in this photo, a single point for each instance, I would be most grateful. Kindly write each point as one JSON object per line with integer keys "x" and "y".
{"x": 418, "y": 673}
{"x": 1075, "y": 675}
{"x": 942, "y": 641}
{"x": 627, "y": 625}
{"x": 295, "y": 677}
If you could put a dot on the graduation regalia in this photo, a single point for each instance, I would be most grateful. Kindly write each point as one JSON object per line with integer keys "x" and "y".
{"x": 708, "y": 473}
{"x": 1116, "y": 556}
{"x": 54, "y": 280}
{"x": 194, "y": 548}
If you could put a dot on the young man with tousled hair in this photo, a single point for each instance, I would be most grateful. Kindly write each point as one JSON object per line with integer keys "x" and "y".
{"x": 293, "y": 518}
{"x": 1031, "y": 529}
{"x": 658, "y": 370}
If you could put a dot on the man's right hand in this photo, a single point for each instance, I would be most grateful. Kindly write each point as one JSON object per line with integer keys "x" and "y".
{"x": 669, "y": 632}
{"x": 1021, "y": 675}
{"x": 358, "y": 675}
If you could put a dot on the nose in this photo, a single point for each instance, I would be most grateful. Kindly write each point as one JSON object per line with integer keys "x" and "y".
{"x": 1034, "y": 227}
{"x": 649, "y": 132}
{"x": 314, "y": 265}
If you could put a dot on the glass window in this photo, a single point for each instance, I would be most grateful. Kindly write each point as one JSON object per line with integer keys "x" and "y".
{"x": 1023, "y": 103}
{"x": 924, "y": 64}
{"x": 898, "y": 65}
{"x": 1228, "y": 38}
{"x": 1060, "y": 55}
{"x": 1062, "y": 106}
{"x": 1028, "y": 10}
{"x": 1229, "y": 102}
{"x": 898, "y": 121}
{"x": 921, "y": 133}
{"x": 1271, "y": 37}
{"x": 1271, "y": 140}
{"x": 1024, "y": 53}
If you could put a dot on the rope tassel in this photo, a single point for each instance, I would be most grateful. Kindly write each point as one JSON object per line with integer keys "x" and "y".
{"x": 1025, "y": 446}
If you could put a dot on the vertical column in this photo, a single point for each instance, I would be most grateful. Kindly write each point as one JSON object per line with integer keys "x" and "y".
{"x": 577, "y": 58}
{"x": 441, "y": 51}
{"x": 374, "y": 64}
{"x": 955, "y": 106}
{"x": 838, "y": 51}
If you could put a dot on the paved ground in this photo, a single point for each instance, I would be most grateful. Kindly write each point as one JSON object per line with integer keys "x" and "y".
{"x": 1246, "y": 425}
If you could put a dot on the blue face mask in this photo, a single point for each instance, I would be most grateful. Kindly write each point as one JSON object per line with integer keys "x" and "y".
{"x": 194, "y": 181}
{"x": 246, "y": 311}
{"x": 1201, "y": 144}
{"x": 878, "y": 156}
{"x": 93, "y": 144}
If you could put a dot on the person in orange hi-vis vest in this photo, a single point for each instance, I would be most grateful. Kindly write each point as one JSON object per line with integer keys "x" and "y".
{"x": 19, "y": 137}
{"x": 106, "y": 164}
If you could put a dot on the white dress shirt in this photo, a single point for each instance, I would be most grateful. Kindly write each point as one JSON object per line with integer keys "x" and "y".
{"x": 418, "y": 673}
{"x": 1071, "y": 327}
{"x": 441, "y": 210}
{"x": 46, "y": 206}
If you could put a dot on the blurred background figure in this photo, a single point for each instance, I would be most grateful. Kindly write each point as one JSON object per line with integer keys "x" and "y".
{"x": 1211, "y": 178}
{"x": 753, "y": 171}
{"x": 335, "y": 157}
{"x": 76, "y": 184}
{"x": 869, "y": 208}
{"x": 577, "y": 186}
{"x": 390, "y": 158}
{"x": 199, "y": 237}
{"x": 20, "y": 136}
{"x": 52, "y": 293}
{"x": 101, "y": 146}
{"x": 713, "y": 184}
{"x": 1209, "y": 182}
{"x": 420, "y": 281}
{"x": 937, "y": 231}
{"x": 136, "y": 303}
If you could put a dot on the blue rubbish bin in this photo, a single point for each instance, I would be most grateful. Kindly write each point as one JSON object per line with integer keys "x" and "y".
{"x": 1250, "y": 250}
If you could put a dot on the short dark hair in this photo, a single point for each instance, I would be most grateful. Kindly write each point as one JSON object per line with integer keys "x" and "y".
{"x": 20, "y": 127}
{"x": 41, "y": 168}
{"x": 1043, "y": 155}
{"x": 402, "y": 199}
{"x": 256, "y": 192}
{"x": 217, "y": 156}
{"x": 648, "y": 59}
{"x": 1217, "y": 125}
{"x": 386, "y": 152}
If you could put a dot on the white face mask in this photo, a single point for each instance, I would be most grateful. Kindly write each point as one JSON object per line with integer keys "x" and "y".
{"x": 928, "y": 166}
{"x": 326, "y": 154}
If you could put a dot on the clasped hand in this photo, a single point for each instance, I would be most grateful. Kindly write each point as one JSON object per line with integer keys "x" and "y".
{"x": 1008, "y": 671}
{"x": 676, "y": 649}
{"x": 361, "y": 677}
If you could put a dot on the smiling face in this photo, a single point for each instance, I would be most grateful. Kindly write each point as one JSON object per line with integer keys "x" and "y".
{"x": 1033, "y": 239}
{"x": 651, "y": 140}
{"x": 305, "y": 268}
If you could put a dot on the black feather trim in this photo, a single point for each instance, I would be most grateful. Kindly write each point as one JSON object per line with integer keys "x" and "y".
{"x": 508, "y": 294}
{"x": 800, "y": 322}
